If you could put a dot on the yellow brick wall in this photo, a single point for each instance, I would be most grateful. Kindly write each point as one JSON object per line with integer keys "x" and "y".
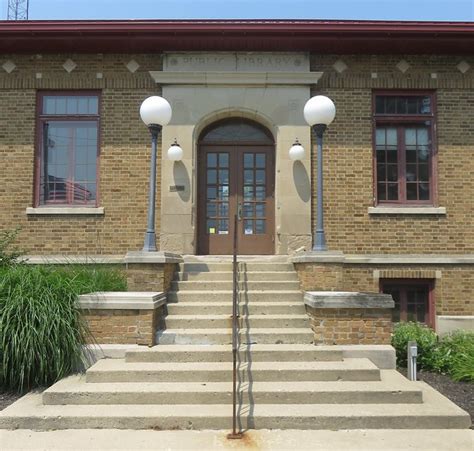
{"x": 453, "y": 284}
{"x": 124, "y": 154}
{"x": 348, "y": 163}
{"x": 351, "y": 326}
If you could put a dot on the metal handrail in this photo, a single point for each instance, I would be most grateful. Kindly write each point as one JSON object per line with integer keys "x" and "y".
{"x": 235, "y": 434}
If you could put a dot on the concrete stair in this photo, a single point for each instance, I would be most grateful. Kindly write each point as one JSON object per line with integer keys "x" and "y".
{"x": 284, "y": 381}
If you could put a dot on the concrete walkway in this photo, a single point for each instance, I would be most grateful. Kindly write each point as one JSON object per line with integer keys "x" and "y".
{"x": 294, "y": 440}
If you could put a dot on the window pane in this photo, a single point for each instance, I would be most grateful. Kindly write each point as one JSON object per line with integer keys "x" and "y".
{"x": 248, "y": 176}
{"x": 211, "y": 160}
{"x": 224, "y": 176}
{"x": 211, "y": 193}
{"x": 423, "y": 173}
{"x": 223, "y": 226}
{"x": 224, "y": 160}
{"x": 211, "y": 226}
{"x": 69, "y": 162}
{"x": 260, "y": 193}
{"x": 380, "y": 136}
{"x": 260, "y": 176}
{"x": 248, "y": 210}
{"x": 392, "y": 191}
{"x": 391, "y": 136}
{"x": 248, "y": 160}
{"x": 424, "y": 191}
{"x": 392, "y": 172}
{"x": 381, "y": 172}
{"x": 260, "y": 160}
{"x": 72, "y": 105}
{"x": 260, "y": 210}
{"x": 211, "y": 176}
{"x": 211, "y": 209}
{"x": 260, "y": 226}
{"x": 381, "y": 191}
{"x": 248, "y": 226}
{"x": 392, "y": 156}
{"x": 248, "y": 192}
{"x": 224, "y": 209}
{"x": 412, "y": 191}
{"x": 223, "y": 192}
{"x": 402, "y": 105}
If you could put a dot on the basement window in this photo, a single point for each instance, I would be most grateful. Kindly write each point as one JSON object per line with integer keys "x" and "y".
{"x": 413, "y": 299}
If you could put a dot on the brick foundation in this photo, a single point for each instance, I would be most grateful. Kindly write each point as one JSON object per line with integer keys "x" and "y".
{"x": 124, "y": 326}
{"x": 150, "y": 276}
{"x": 351, "y": 326}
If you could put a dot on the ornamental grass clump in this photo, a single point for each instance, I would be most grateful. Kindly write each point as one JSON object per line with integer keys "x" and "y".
{"x": 41, "y": 327}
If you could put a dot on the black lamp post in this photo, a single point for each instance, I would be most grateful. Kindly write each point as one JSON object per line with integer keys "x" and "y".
{"x": 155, "y": 112}
{"x": 319, "y": 112}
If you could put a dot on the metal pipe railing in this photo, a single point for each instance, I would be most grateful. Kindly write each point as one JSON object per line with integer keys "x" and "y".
{"x": 235, "y": 434}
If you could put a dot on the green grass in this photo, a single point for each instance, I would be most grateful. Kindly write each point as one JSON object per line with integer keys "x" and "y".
{"x": 42, "y": 330}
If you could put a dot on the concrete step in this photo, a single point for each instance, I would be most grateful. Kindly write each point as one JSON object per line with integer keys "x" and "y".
{"x": 223, "y": 353}
{"x": 225, "y": 321}
{"x": 223, "y": 296}
{"x": 317, "y": 440}
{"x": 243, "y": 266}
{"x": 390, "y": 390}
{"x": 223, "y": 308}
{"x": 203, "y": 285}
{"x": 436, "y": 412}
{"x": 224, "y": 336}
{"x": 228, "y": 275}
{"x": 117, "y": 370}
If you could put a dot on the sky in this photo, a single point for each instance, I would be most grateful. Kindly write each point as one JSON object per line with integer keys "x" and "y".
{"x": 451, "y": 10}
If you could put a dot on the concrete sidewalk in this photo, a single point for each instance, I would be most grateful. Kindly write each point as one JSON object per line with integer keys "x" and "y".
{"x": 294, "y": 440}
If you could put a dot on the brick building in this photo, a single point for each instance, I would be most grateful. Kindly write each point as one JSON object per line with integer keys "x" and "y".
{"x": 398, "y": 193}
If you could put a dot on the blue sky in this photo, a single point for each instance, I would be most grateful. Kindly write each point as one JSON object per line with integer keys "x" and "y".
{"x": 456, "y": 10}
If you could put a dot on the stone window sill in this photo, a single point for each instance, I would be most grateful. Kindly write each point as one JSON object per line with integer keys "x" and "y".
{"x": 415, "y": 210}
{"x": 65, "y": 211}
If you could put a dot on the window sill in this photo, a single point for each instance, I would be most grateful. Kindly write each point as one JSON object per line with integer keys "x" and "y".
{"x": 415, "y": 210}
{"x": 65, "y": 211}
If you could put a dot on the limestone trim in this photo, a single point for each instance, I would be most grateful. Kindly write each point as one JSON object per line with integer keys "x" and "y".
{"x": 388, "y": 259}
{"x": 416, "y": 210}
{"x": 236, "y": 78}
{"x": 71, "y": 259}
{"x": 152, "y": 257}
{"x": 122, "y": 300}
{"x": 65, "y": 210}
{"x": 347, "y": 300}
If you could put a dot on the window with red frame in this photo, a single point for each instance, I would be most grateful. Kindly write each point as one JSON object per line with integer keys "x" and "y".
{"x": 404, "y": 151}
{"x": 68, "y": 148}
{"x": 413, "y": 299}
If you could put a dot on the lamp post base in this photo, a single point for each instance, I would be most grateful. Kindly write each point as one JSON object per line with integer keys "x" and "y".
{"x": 150, "y": 242}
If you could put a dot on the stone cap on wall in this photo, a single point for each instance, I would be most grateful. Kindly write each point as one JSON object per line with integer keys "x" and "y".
{"x": 122, "y": 300}
{"x": 152, "y": 257}
{"x": 347, "y": 299}
{"x": 383, "y": 259}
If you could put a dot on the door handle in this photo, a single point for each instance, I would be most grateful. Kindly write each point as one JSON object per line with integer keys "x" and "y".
{"x": 239, "y": 211}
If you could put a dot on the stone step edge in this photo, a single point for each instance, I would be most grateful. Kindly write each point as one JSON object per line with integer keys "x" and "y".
{"x": 30, "y": 412}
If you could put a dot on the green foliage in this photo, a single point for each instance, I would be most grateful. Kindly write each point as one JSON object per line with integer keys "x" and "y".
{"x": 8, "y": 252}
{"x": 42, "y": 330}
{"x": 453, "y": 354}
{"x": 425, "y": 338}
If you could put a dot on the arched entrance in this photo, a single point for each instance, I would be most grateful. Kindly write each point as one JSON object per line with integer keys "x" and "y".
{"x": 236, "y": 161}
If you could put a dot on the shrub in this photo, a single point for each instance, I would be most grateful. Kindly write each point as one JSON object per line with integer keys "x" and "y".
{"x": 42, "y": 330}
{"x": 426, "y": 339}
{"x": 458, "y": 349}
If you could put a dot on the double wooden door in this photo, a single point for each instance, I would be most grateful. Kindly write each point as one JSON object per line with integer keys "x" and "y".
{"x": 236, "y": 180}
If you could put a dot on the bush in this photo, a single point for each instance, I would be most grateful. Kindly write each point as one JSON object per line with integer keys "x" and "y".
{"x": 453, "y": 354}
{"x": 426, "y": 339}
{"x": 458, "y": 351}
{"x": 42, "y": 330}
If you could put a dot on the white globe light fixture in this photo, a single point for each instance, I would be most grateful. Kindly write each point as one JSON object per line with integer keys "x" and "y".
{"x": 175, "y": 153}
{"x": 319, "y": 112}
{"x": 296, "y": 151}
{"x": 155, "y": 112}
